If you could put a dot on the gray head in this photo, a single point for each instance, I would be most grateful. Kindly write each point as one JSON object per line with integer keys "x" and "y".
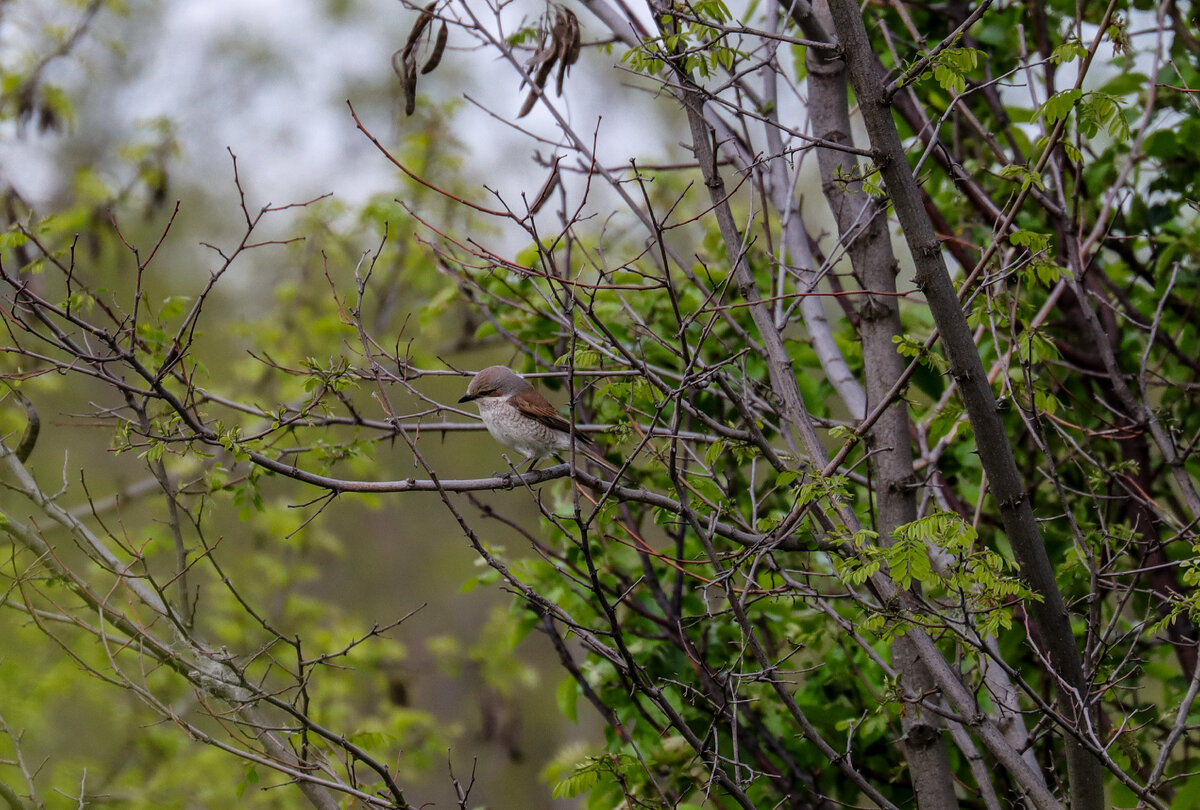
{"x": 495, "y": 381}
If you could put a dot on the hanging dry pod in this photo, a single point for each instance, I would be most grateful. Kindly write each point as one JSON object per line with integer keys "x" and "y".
{"x": 404, "y": 61}
{"x": 558, "y": 43}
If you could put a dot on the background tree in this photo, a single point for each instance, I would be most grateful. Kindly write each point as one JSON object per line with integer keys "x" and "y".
{"x": 908, "y": 496}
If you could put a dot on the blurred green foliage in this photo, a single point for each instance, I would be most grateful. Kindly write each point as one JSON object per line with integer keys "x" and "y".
{"x": 281, "y": 338}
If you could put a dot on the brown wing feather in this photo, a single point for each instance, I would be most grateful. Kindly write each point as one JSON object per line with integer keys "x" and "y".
{"x": 535, "y": 406}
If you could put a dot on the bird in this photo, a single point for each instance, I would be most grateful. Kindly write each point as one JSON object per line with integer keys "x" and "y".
{"x": 520, "y": 418}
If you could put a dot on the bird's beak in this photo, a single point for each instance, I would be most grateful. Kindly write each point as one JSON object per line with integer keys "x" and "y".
{"x": 468, "y": 397}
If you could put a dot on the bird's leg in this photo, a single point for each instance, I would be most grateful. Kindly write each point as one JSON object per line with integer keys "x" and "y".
{"x": 512, "y": 468}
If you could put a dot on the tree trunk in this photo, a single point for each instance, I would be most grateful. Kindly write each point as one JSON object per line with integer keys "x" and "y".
{"x": 933, "y": 278}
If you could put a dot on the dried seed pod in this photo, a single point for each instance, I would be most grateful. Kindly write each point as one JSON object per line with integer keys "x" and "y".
{"x": 439, "y": 47}
{"x": 568, "y": 47}
{"x": 558, "y": 43}
{"x": 404, "y": 61}
{"x": 410, "y": 84}
{"x": 547, "y": 188}
{"x": 545, "y": 51}
{"x": 575, "y": 41}
{"x": 419, "y": 26}
{"x": 530, "y": 100}
{"x": 543, "y": 61}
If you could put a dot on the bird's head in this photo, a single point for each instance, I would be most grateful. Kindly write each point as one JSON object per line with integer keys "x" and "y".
{"x": 494, "y": 381}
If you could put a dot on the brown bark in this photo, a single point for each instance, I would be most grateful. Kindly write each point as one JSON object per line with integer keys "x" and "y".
{"x": 1066, "y": 668}
{"x": 862, "y": 227}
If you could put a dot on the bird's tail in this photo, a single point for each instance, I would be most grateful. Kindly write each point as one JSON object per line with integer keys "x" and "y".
{"x": 585, "y": 446}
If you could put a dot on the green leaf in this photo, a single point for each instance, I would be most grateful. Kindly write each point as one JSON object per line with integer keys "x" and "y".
{"x": 1043, "y": 272}
{"x": 1035, "y": 347}
{"x": 173, "y": 306}
{"x": 1188, "y": 796}
{"x": 1163, "y": 144}
{"x": 643, "y": 392}
{"x": 1059, "y": 105}
{"x": 949, "y": 78}
{"x": 714, "y": 452}
{"x": 707, "y": 489}
{"x": 947, "y": 530}
{"x": 1124, "y": 84}
{"x": 567, "y": 695}
{"x": 489, "y": 577}
{"x": 1036, "y": 242}
{"x": 799, "y": 62}
{"x": 1024, "y": 175}
{"x": 12, "y": 239}
{"x": 766, "y": 524}
{"x": 584, "y": 778}
{"x": 908, "y": 346}
{"x": 1100, "y": 110}
{"x": 437, "y": 305}
{"x": 908, "y": 560}
{"x": 250, "y": 778}
{"x": 841, "y": 432}
{"x": 1068, "y": 51}
{"x": 951, "y": 66}
{"x": 1045, "y": 402}
{"x": 857, "y": 570}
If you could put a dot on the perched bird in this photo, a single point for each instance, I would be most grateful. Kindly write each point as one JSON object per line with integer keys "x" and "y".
{"x": 522, "y": 419}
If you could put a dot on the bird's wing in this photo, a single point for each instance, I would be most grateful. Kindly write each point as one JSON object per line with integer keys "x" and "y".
{"x": 539, "y": 408}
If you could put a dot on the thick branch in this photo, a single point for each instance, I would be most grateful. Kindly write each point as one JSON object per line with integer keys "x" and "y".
{"x": 933, "y": 278}
{"x": 862, "y": 227}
